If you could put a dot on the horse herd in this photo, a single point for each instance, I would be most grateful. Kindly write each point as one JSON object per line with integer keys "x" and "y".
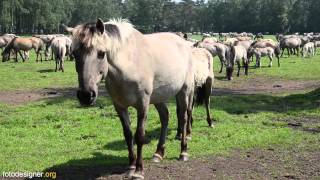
{"x": 143, "y": 69}
{"x": 59, "y": 44}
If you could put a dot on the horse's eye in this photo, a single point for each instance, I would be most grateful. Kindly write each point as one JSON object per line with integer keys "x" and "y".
{"x": 101, "y": 54}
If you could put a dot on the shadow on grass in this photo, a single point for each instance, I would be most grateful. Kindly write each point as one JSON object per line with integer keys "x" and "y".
{"x": 235, "y": 103}
{"x": 90, "y": 168}
{"x": 120, "y": 145}
{"x": 46, "y": 70}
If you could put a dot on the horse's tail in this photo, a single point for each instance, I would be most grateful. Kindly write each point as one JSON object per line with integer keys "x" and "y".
{"x": 200, "y": 94}
{"x": 233, "y": 53}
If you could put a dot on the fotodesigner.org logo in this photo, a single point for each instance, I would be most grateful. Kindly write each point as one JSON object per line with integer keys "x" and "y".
{"x": 52, "y": 175}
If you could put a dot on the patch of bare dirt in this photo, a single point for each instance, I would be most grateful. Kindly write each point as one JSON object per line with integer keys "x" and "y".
{"x": 270, "y": 163}
{"x": 307, "y": 124}
{"x": 262, "y": 85}
{"x": 22, "y": 97}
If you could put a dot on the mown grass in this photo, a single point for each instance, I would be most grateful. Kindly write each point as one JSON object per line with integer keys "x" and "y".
{"x": 57, "y": 133}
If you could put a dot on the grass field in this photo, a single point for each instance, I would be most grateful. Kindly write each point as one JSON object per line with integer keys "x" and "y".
{"x": 57, "y": 133}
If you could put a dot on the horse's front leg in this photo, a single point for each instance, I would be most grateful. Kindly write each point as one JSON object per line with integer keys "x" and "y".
{"x": 16, "y": 53}
{"x": 270, "y": 58}
{"x": 37, "y": 55}
{"x": 20, "y": 56}
{"x": 142, "y": 111}
{"x": 221, "y": 62}
{"x": 40, "y": 55}
{"x": 164, "y": 118}
{"x": 125, "y": 122}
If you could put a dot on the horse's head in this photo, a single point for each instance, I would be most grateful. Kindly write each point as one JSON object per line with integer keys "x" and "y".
{"x": 91, "y": 55}
{"x": 6, "y": 53}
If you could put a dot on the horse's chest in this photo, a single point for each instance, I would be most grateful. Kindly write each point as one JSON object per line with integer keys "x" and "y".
{"x": 123, "y": 92}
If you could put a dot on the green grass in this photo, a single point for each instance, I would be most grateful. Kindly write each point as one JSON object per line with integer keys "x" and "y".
{"x": 34, "y": 76}
{"x": 58, "y": 133}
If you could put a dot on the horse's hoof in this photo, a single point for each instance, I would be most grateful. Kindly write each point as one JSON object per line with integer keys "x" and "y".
{"x": 184, "y": 157}
{"x": 138, "y": 176}
{"x": 156, "y": 158}
{"x": 211, "y": 125}
{"x": 129, "y": 173}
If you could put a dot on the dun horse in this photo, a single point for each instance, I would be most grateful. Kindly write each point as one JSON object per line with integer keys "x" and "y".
{"x": 24, "y": 44}
{"x": 203, "y": 79}
{"x": 138, "y": 70}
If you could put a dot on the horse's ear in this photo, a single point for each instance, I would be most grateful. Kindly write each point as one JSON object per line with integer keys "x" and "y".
{"x": 100, "y": 26}
{"x": 68, "y": 29}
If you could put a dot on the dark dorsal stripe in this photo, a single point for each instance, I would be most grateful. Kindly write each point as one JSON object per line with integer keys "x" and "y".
{"x": 112, "y": 30}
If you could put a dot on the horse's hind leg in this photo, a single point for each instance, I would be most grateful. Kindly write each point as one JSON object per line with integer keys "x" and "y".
{"x": 125, "y": 122}
{"x": 208, "y": 87}
{"x": 57, "y": 62}
{"x": 178, "y": 135}
{"x": 61, "y": 65}
{"x": 238, "y": 64}
{"x": 182, "y": 100}
{"x": 164, "y": 118}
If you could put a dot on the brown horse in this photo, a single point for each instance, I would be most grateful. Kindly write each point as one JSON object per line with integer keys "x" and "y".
{"x": 23, "y": 44}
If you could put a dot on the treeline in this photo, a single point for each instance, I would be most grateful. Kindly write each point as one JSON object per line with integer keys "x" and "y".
{"x": 46, "y": 16}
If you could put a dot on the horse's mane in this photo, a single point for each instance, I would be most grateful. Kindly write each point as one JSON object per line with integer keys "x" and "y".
{"x": 116, "y": 33}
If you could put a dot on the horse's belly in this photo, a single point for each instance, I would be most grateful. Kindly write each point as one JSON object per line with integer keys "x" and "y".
{"x": 161, "y": 93}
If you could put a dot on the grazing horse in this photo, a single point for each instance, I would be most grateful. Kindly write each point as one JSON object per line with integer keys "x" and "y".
{"x": 203, "y": 79}
{"x": 138, "y": 70}
{"x": 24, "y": 44}
{"x": 239, "y": 53}
{"x": 6, "y": 39}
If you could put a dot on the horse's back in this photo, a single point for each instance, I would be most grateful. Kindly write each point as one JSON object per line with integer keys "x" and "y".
{"x": 203, "y": 65}
{"x": 171, "y": 61}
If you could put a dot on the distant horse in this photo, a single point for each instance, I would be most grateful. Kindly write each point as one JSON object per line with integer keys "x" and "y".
{"x": 263, "y": 43}
{"x": 216, "y": 49}
{"x": 209, "y": 39}
{"x": 138, "y": 70}
{"x": 239, "y": 53}
{"x": 24, "y": 44}
{"x": 6, "y": 39}
{"x": 59, "y": 49}
{"x": 47, "y": 40}
{"x": 309, "y": 50}
{"x": 203, "y": 79}
{"x": 261, "y": 52}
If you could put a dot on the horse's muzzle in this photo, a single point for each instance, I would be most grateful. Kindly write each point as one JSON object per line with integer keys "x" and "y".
{"x": 86, "y": 98}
